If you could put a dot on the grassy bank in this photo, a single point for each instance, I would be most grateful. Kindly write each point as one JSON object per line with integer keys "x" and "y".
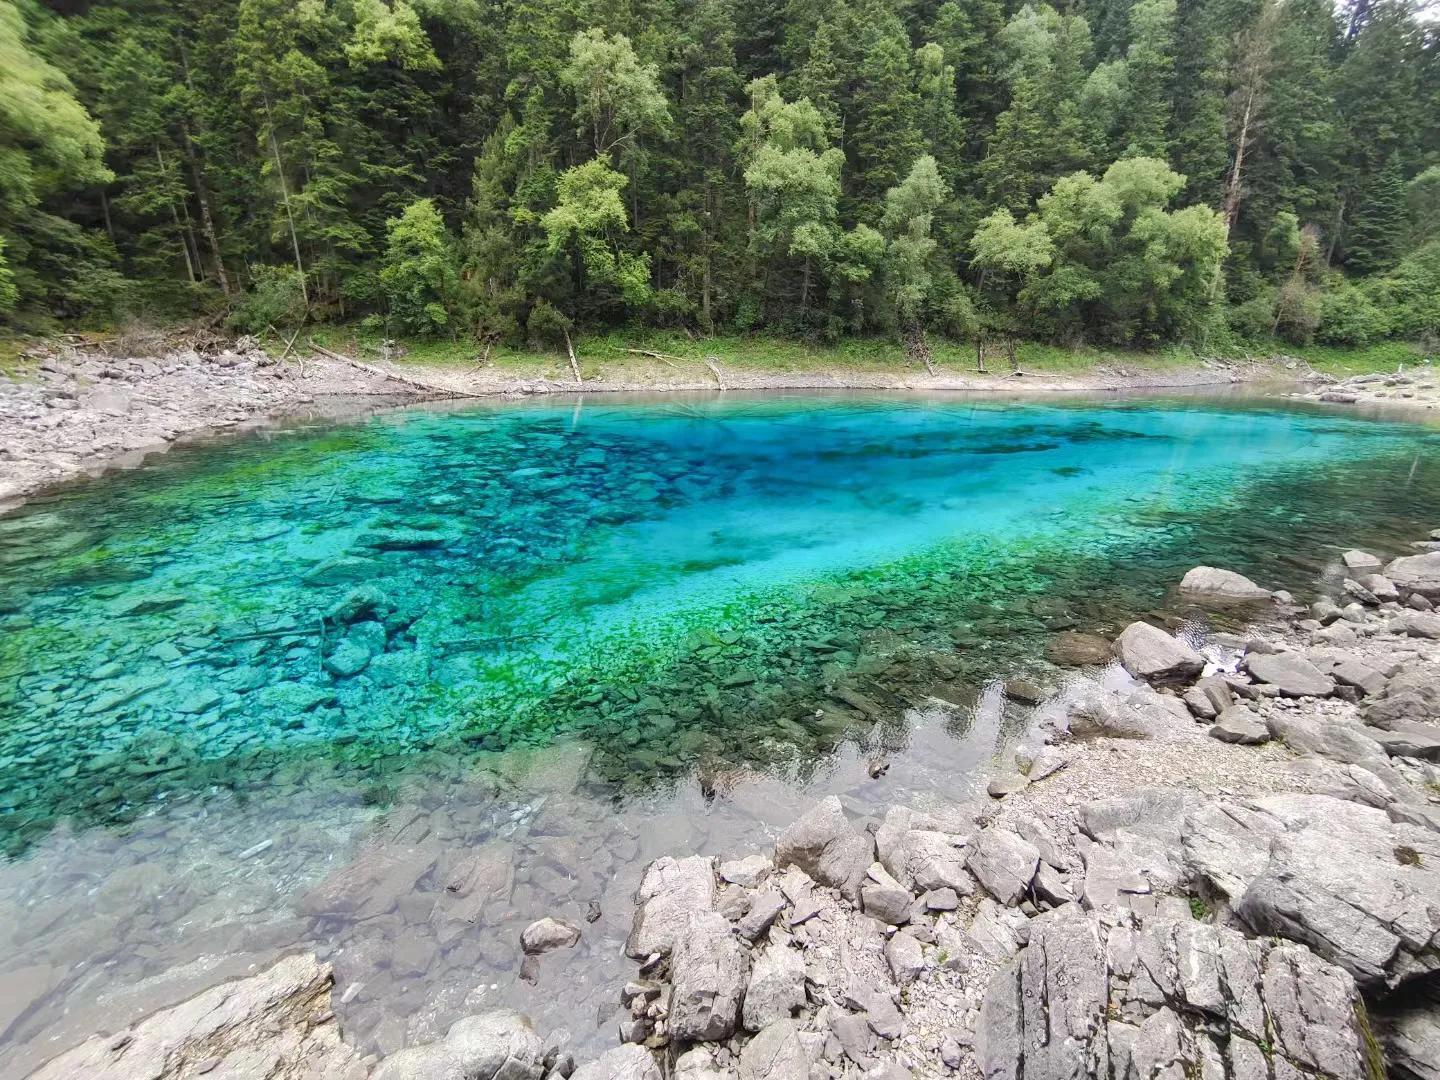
{"x": 608, "y": 356}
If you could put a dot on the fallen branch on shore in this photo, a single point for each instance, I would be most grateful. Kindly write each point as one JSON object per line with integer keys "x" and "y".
{"x": 429, "y": 388}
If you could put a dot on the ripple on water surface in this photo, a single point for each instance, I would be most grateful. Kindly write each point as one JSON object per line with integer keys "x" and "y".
{"x": 394, "y": 688}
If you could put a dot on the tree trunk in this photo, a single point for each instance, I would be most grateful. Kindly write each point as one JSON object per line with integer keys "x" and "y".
{"x": 207, "y": 217}
{"x": 285, "y": 199}
{"x": 1237, "y": 171}
{"x": 179, "y": 228}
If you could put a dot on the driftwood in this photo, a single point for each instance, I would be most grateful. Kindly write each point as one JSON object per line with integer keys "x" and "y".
{"x": 574, "y": 364}
{"x": 714, "y": 367}
{"x": 429, "y": 388}
{"x": 664, "y": 358}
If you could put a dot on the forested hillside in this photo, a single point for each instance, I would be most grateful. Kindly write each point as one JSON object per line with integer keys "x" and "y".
{"x": 1102, "y": 171}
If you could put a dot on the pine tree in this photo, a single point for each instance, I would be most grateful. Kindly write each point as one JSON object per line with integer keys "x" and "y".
{"x": 1378, "y": 222}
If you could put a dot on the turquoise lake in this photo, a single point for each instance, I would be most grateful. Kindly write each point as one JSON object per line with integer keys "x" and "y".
{"x": 568, "y": 637}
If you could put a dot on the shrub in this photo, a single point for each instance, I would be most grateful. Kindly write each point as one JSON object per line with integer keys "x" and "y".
{"x": 276, "y": 297}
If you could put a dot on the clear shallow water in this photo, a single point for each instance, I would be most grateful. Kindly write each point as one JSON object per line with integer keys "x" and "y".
{"x": 485, "y": 663}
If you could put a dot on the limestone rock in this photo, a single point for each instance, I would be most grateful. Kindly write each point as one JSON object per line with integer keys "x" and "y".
{"x": 1006, "y": 784}
{"x": 884, "y": 898}
{"x": 1422, "y": 624}
{"x": 1411, "y": 695}
{"x": 923, "y": 859}
{"x": 1149, "y": 653}
{"x": 1209, "y": 585}
{"x": 1340, "y": 877}
{"x": 826, "y": 846}
{"x": 1416, "y": 573}
{"x": 747, "y": 872}
{"x": 708, "y": 969}
{"x": 1290, "y": 673}
{"x": 1412, "y": 1039}
{"x": 1004, "y": 863}
{"x": 776, "y": 1053}
{"x": 1099, "y": 995}
{"x": 1239, "y": 724}
{"x": 1380, "y": 587}
{"x": 905, "y": 957}
{"x": 671, "y": 890}
{"x": 777, "y": 987}
{"x": 282, "y": 1015}
{"x": 498, "y": 1045}
{"x": 628, "y": 1062}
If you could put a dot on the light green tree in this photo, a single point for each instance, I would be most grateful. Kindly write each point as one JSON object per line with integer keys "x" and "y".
{"x": 587, "y": 221}
{"x": 617, "y": 98}
{"x": 1107, "y": 257}
{"x": 911, "y": 250}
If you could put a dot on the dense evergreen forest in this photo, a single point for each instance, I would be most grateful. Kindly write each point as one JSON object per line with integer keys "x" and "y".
{"x": 1100, "y": 171}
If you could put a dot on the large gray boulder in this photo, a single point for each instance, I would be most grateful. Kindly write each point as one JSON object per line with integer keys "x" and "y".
{"x": 1004, "y": 863}
{"x": 777, "y": 987}
{"x": 1209, "y": 586}
{"x": 498, "y": 1045}
{"x": 1290, "y": 673}
{"x": 628, "y": 1062}
{"x": 1411, "y": 1039}
{"x": 1112, "y": 995}
{"x": 1141, "y": 713}
{"x": 921, "y": 853}
{"x": 776, "y": 1053}
{"x": 1416, "y": 573}
{"x": 826, "y": 846}
{"x": 1411, "y": 695}
{"x": 708, "y": 980}
{"x": 1340, "y": 877}
{"x": 671, "y": 890}
{"x": 1149, "y": 653}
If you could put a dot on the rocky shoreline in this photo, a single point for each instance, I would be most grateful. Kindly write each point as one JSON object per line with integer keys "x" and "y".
{"x": 1216, "y": 856}
{"x": 77, "y": 413}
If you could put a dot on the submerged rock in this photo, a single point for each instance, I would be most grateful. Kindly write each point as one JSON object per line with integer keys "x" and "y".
{"x": 546, "y": 935}
{"x": 1070, "y": 648}
{"x": 1222, "y": 588}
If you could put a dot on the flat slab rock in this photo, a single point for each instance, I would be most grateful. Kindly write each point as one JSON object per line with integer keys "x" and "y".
{"x": 281, "y": 1016}
{"x": 1358, "y": 888}
{"x": 1291, "y": 674}
{"x": 1108, "y": 994}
